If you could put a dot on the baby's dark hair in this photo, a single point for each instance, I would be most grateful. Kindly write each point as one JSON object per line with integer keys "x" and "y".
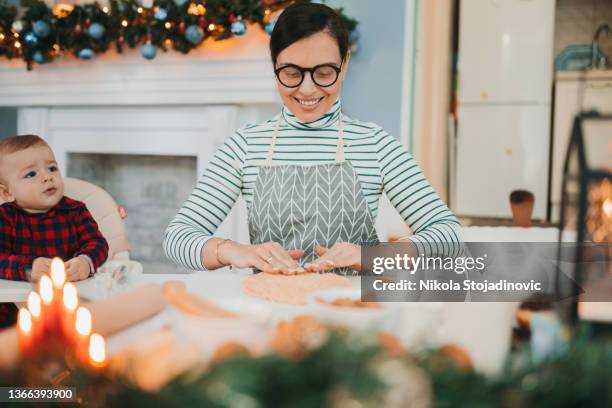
{"x": 302, "y": 20}
{"x": 18, "y": 143}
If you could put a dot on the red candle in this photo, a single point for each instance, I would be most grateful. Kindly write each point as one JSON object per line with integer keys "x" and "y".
{"x": 48, "y": 319}
{"x": 35, "y": 309}
{"x": 24, "y": 325}
{"x": 70, "y": 301}
{"x": 97, "y": 351}
{"x": 83, "y": 330}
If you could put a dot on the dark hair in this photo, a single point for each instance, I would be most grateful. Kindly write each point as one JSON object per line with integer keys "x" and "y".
{"x": 15, "y": 144}
{"x": 302, "y": 20}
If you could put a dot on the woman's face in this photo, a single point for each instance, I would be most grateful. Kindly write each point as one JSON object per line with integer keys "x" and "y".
{"x": 308, "y": 101}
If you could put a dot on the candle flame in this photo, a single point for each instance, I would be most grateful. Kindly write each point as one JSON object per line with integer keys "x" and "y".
{"x": 46, "y": 289}
{"x": 71, "y": 299}
{"x": 97, "y": 348}
{"x": 58, "y": 272}
{"x": 83, "y": 321}
{"x": 25, "y": 321}
{"x": 607, "y": 207}
{"x": 34, "y": 304}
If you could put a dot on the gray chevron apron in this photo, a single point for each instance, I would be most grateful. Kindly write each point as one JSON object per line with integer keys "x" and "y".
{"x": 300, "y": 206}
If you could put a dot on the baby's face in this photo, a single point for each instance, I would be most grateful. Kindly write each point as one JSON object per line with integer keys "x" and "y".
{"x": 32, "y": 179}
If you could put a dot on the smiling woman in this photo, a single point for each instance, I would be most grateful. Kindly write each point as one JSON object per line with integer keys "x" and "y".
{"x": 311, "y": 176}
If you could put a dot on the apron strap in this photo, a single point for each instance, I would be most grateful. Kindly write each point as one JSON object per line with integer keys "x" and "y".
{"x": 339, "y": 146}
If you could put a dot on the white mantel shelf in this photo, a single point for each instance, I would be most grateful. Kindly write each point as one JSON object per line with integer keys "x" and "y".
{"x": 236, "y": 71}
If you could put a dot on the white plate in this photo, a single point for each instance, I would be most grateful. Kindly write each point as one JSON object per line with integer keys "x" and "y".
{"x": 369, "y": 319}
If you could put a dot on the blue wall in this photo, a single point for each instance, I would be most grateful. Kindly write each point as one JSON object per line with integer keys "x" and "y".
{"x": 373, "y": 88}
{"x": 8, "y": 122}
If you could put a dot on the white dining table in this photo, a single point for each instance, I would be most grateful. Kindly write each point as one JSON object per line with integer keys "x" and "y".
{"x": 483, "y": 329}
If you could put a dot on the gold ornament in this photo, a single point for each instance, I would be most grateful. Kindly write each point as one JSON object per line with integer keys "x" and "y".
{"x": 62, "y": 10}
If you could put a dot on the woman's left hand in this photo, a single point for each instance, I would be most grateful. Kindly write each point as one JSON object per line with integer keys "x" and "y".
{"x": 340, "y": 255}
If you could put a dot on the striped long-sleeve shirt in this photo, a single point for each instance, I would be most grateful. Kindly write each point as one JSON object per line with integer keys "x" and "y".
{"x": 380, "y": 161}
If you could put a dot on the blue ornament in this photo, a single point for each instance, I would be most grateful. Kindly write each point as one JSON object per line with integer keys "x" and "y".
{"x": 148, "y": 51}
{"x": 194, "y": 34}
{"x": 269, "y": 28}
{"x": 161, "y": 14}
{"x": 38, "y": 57}
{"x": 86, "y": 54}
{"x": 42, "y": 29}
{"x": 30, "y": 39}
{"x": 180, "y": 2}
{"x": 238, "y": 28}
{"x": 96, "y": 31}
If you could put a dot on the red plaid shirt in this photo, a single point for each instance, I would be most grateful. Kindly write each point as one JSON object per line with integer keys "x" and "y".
{"x": 65, "y": 231}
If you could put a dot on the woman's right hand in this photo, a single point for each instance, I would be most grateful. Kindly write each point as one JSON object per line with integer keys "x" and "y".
{"x": 268, "y": 257}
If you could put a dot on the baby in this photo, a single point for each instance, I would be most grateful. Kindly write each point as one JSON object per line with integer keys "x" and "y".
{"x": 37, "y": 222}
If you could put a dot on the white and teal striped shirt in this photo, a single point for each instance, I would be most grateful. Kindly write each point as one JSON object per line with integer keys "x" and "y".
{"x": 380, "y": 161}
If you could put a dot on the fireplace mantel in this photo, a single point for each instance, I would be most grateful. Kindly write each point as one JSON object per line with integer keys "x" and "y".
{"x": 235, "y": 71}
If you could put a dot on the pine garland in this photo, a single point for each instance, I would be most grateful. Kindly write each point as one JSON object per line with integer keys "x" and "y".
{"x": 579, "y": 377}
{"x": 43, "y": 34}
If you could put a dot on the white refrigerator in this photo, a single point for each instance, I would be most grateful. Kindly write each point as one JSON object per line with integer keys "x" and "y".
{"x": 505, "y": 72}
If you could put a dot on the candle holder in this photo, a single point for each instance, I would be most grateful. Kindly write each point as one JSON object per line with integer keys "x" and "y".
{"x": 53, "y": 329}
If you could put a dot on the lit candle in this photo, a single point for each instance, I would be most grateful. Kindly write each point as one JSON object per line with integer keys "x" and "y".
{"x": 34, "y": 308}
{"x": 25, "y": 331}
{"x": 45, "y": 288}
{"x": 97, "y": 351}
{"x": 58, "y": 273}
{"x": 70, "y": 301}
{"x": 49, "y": 315}
{"x": 83, "y": 330}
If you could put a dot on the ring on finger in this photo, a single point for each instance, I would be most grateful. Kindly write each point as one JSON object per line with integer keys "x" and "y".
{"x": 269, "y": 258}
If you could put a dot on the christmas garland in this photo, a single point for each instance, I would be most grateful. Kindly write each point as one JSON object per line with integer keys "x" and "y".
{"x": 43, "y": 34}
{"x": 347, "y": 372}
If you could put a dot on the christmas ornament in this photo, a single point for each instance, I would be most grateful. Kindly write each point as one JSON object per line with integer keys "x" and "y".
{"x": 148, "y": 51}
{"x": 180, "y": 2}
{"x": 270, "y": 27}
{"x": 161, "y": 14}
{"x": 96, "y": 31}
{"x": 41, "y": 29}
{"x": 238, "y": 27}
{"x": 86, "y": 54}
{"x": 194, "y": 34}
{"x": 38, "y": 57}
{"x": 30, "y": 39}
{"x": 17, "y": 25}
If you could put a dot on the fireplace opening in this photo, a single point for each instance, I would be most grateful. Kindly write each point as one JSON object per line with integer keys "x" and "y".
{"x": 150, "y": 188}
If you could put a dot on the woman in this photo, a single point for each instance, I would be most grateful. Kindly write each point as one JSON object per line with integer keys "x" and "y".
{"x": 311, "y": 176}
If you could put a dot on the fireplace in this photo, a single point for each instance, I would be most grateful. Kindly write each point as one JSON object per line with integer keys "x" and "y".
{"x": 154, "y": 123}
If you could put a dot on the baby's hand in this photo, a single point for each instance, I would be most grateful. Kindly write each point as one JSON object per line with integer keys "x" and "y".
{"x": 41, "y": 266}
{"x": 77, "y": 269}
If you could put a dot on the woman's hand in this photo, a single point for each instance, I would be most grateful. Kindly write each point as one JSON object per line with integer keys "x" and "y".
{"x": 268, "y": 257}
{"x": 340, "y": 255}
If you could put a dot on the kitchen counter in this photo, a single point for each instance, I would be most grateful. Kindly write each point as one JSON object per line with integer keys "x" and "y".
{"x": 591, "y": 75}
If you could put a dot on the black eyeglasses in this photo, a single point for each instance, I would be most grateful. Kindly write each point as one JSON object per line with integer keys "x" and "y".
{"x": 292, "y": 76}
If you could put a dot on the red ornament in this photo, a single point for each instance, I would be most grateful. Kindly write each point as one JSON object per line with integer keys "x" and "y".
{"x": 202, "y": 22}
{"x": 182, "y": 27}
{"x": 231, "y": 18}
